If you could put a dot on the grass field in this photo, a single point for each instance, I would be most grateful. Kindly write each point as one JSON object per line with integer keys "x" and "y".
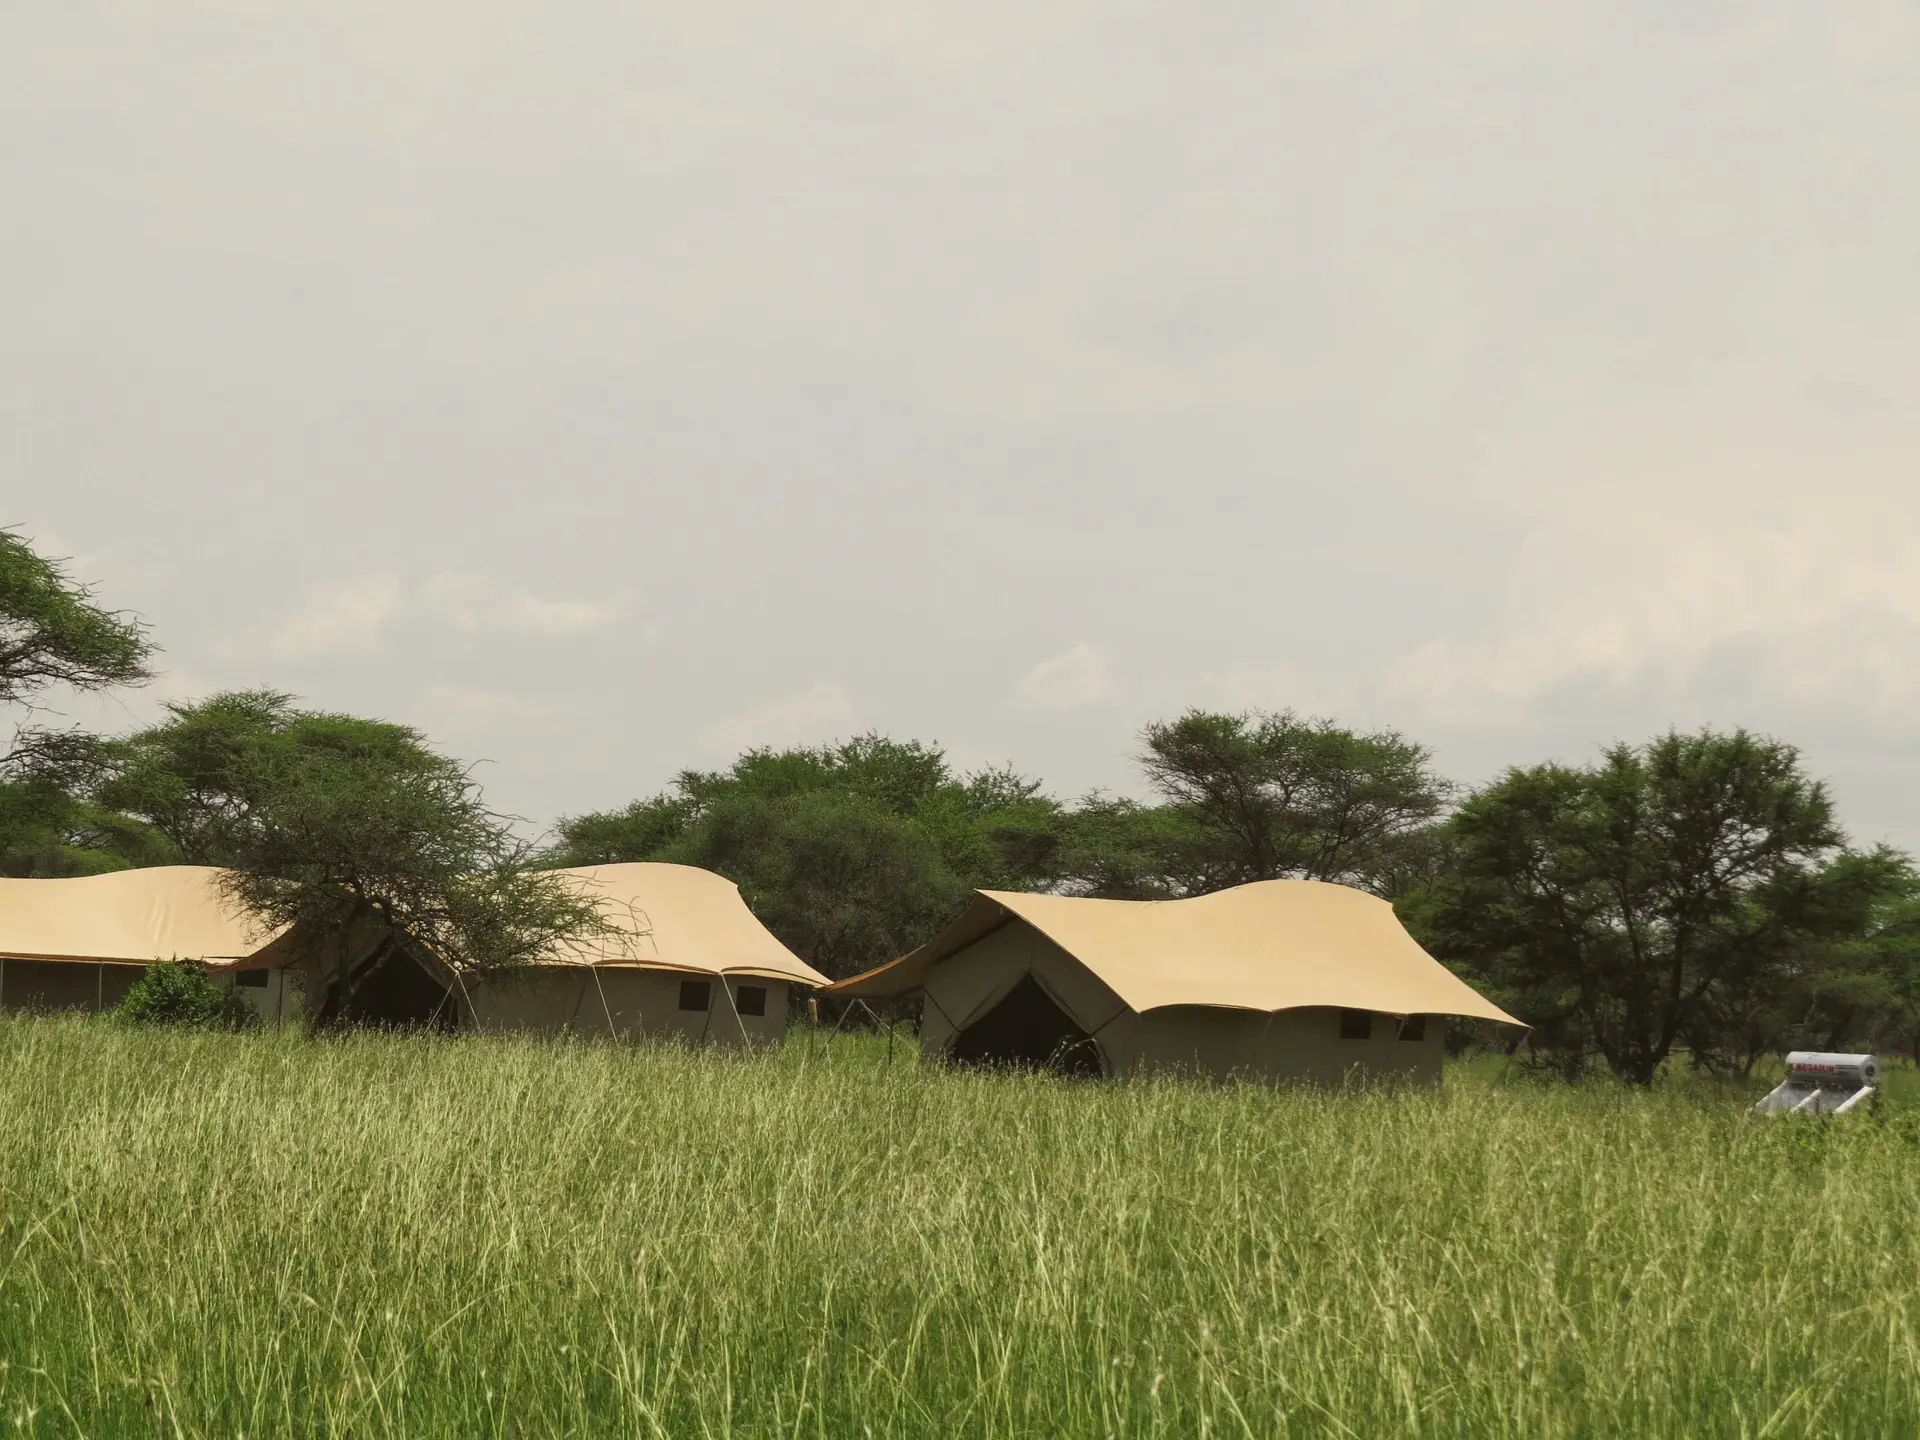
{"x": 275, "y": 1236}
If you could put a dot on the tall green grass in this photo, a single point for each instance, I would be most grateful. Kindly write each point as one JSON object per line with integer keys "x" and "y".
{"x": 275, "y": 1236}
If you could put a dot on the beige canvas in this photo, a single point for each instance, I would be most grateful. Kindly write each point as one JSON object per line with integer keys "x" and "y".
{"x": 1274, "y": 945}
{"x": 132, "y": 916}
{"x": 625, "y": 1003}
{"x": 1218, "y": 1042}
{"x": 678, "y": 917}
{"x": 1299, "y": 1044}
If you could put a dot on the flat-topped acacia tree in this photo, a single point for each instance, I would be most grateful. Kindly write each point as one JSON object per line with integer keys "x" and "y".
{"x": 54, "y": 637}
{"x": 53, "y": 634}
{"x": 332, "y": 823}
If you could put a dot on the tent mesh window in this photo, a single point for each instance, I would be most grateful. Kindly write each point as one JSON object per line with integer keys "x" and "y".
{"x": 751, "y": 999}
{"x": 1356, "y": 1024}
{"x": 1027, "y": 1029}
{"x": 251, "y": 979}
{"x": 695, "y": 994}
{"x": 51, "y": 985}
{"x": 1414, "y": 1027}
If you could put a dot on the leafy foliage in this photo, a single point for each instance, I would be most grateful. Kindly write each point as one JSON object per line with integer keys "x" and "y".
{"x": 52, "y": 632}
{"x": 178, "y": 992}
{"x": 851, "y": 853}
{"x": 51, "y": 825}
{"x": 1667, "y": 896}
{"x": 329, "y": 823}
{"x": 1119, "y": 849}
{"x": 1267, "y": 796}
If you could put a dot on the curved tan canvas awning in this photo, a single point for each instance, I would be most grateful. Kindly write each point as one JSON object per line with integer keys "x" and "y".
{"x": 130, "y": 916}
{"x": 671, "y": 917}
{"x": 1272, "y": 945}
{"x": 679, "y": 917}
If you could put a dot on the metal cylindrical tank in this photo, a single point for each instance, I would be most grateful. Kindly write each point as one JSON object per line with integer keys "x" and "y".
{"x": 1815, "y": 1067}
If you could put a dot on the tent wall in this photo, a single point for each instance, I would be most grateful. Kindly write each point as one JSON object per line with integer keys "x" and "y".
{"x": 1301, "y": 1044}
{"x": 273, "y": 993}
{"x": 627, "y": 1004}
{"x": 65, "y": 984}
{"x": 964, "y": 988}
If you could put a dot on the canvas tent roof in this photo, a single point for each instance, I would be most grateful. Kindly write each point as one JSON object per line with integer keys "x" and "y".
{"x": 679, "y": 917}
{"x": 671, "y": 917}
{"x": 130, "y": 916}
{"x": 1272, "y": 945}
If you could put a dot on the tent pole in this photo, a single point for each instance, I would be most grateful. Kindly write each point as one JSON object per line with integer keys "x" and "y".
{"x": 738, "y": 1023}
{"x": 871, "y": 1015}
{"x": 606, "y": 1009}
{"x": 842, "y": 1020}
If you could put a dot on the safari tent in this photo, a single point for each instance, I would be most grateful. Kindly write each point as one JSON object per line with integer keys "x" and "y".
{"x": 686, "y": 957}
{"x": 683, "y": 955}
{"x": 80, "y": 943}
{"x": 1282, "y": 979}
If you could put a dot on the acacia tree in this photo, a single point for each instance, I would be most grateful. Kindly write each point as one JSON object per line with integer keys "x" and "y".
{"x": 851, "y": 853}
{"x": 54, "y": 635}
{"x": 341, "y": 827}
{"x": 1268, "y": 796}
{"x": 1645, "y": 902}
{"x": 841, "y": 880}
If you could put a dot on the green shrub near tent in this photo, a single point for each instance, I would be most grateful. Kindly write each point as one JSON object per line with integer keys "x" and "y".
{"x": 179, "y": 992}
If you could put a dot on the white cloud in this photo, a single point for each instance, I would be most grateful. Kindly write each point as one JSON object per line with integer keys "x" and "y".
{"x": 1071, "y": 679}
{"x": 1653, "y": 570}
{"x": 339, "y": 616}
{"x": 458, "y": 600}
{"x": 532, "y": 615}
{"x": 468, "y": 708}
{"x": 820, "y": 712}
{"x": 476, "y": 603}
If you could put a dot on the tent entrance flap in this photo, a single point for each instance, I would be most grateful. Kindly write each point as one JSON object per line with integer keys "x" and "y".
{"x": 393, "y": 989}
{"x": 1027, "y": 1028}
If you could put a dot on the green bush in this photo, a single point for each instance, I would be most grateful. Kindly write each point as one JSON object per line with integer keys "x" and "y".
{"x": 178, "y": 992}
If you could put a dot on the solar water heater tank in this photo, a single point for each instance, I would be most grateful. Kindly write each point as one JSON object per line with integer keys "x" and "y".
{"x": 1819, "y": 1083}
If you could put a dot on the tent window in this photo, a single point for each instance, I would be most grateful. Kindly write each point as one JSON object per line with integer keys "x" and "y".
{"x": 251, "y": 979}
{"x": 752, "y": 999}
{"x": 1356, "y": 1024}
{"x": 1414, "y": 1027}
{"x": 696, "y": 994}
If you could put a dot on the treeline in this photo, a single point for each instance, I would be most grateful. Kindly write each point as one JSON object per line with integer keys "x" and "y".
{"x": 1691, "y": 896}
{"x": 855, "y": 852}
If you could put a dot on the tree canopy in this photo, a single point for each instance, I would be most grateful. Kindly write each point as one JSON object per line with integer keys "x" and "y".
{"x": 851, "y": 853}
{"x": 52, "y": 633}
{"x": 1270, "y": 796}
{"x": 1652, "y": 901}
{"x": 1694, "y": 895}
{"x": 328, "y": 822}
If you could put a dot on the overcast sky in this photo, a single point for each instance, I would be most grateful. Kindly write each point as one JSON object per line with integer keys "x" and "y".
{"x": 606, "y": 388}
